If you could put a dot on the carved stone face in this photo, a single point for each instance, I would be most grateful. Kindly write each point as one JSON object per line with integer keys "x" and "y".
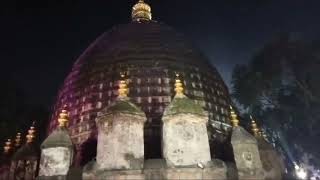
{"x": 248, "y": 158}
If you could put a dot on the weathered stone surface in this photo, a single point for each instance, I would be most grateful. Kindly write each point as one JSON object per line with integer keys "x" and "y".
{"x": 185, "y": 140}
{"x": 120, "y": 137}
{"x": 271, "y": 162}
{"x": 55, "y": 161}
{"x": 155, "y": 169}
{"x": 246, "y": 154}
{"x": 56, "y": 154}
{"x": 114, "y": 175}
{"x": 232, "y": 172}
{"x": 196, "y": 173}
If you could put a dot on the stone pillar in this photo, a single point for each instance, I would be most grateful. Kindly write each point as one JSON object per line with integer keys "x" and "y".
{"x": 185, "y": 137}
{"x": 56, "y": 154}
{"x": 272, "y": 163}
{"x": 120, "y": 137}
{"x": 246, "y": 154}
{"x": 57, "y": 151}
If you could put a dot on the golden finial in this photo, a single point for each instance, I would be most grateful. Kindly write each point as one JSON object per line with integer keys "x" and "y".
{"x": 141, "y": 11}
{"x": 123, "y": 88}
{"x": 30, "y": 136}
{"x": 7, "y": 147}
{"x": 254, "y": 127}
{"x": 63, "y": 117}
{"x": 178, "y": 86}
{"x": 234, "y": 117}
{"x": 17, "y": 140}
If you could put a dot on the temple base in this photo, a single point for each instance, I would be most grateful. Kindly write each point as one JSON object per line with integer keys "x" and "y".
{"x": 156, "y": 169}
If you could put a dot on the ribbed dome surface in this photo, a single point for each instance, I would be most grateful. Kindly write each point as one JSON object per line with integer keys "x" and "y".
{"x": 148, "y": 40}
{"x": 150, "y": 53}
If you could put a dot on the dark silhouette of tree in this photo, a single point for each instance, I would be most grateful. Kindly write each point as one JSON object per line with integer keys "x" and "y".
{"x": 17, "y": 113}
{"x": 281, "y": 87}
{"x": 11, "y": 105}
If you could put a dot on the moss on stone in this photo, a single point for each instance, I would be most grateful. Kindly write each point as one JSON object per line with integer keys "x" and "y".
{"x": 125, "y": 106}
{"x": 184, "y": 105}
{"x": 58, "y": 138}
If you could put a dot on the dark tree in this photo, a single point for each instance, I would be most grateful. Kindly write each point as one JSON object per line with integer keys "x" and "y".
{"x": 280, "y": 86}
{"x": 17, "y": 113}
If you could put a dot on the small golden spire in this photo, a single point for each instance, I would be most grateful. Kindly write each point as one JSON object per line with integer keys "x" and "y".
{"x": 141, "y": 11}
{"x": 178, "y": 86}
{"x": 123, "y": 88}
{"x": 63, "y": 117}
{"x": 254, "y": 127}
{"x": 30, "y": 136}
{"x": 7, "y": 147}
{"x": 234, "y": 117}
{"x": 18, "y": 140}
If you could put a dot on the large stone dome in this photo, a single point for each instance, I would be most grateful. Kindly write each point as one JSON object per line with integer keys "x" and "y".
{"x": 150, "y": 53}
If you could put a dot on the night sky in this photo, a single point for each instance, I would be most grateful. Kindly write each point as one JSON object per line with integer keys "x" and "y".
{"x": 40, "y": 40}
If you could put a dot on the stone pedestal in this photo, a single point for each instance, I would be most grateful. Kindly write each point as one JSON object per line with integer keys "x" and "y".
{"x": 185, "y": 138}
{"x": 272, "y": 163}
{"x": 120, "y": 137}
{"x": 246, "y": 154}
{"x": 56, "y": 155}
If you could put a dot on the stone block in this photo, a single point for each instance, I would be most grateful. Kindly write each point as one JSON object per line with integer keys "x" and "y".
{"x": 120, "y": 141}
{"x": 55, "y": 161}
{"x": 185, "y": 140}
{"x": 246, "y": 154}
{"x": 272, "y": 163}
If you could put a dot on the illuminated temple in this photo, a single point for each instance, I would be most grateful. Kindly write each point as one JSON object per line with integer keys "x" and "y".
{"x": 142, "y": 102}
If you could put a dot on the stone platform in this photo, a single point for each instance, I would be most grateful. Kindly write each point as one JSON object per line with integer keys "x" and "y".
{"x": 156, "y": 169}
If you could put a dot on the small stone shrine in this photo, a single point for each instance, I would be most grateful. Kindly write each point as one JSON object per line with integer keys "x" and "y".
{"x": 57, "y": 151}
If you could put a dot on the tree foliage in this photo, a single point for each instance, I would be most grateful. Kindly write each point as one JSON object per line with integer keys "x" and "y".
{"x": 281, "y": 86}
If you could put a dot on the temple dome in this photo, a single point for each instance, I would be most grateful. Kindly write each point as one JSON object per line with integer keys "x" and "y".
{"x": 150, "y": 53}
{"x": 147, "y": 40}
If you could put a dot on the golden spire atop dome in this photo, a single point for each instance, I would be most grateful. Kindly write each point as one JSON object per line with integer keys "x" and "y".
{"x": 17, "y": 140}
{"x": 7, "y": 147}
{"x": 234, "y": 117}
{"x": 123, "y": 88}
{"x": 254, "y": 127}
{"x": 63, "y": 117}
{"x": 178, "y": 86}
{"x": 141, "y": 11}
{"x": 30, "y": 136}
